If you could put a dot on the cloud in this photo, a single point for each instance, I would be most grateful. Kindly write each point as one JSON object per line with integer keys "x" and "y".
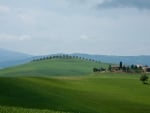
{"x": 87, "y": 37}
{"x": 27, "y": 18}
{"x": 6, "y": 37}
{"x": 12, "y": 37}
{"x": 85, "y": 1}
{"x": 84, "y": 37}
{"x": 76, "y": 24}
{"x": 77, "y": 1}
{"x": 4, "y": 9}
{"x": 24, "y": 37}
{"x": 138, "y": 4}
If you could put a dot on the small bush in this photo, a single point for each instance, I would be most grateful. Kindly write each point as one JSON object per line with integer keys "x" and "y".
{"x": 144, "y": 78}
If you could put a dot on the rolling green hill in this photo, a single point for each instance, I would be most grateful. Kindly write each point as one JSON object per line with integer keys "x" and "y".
{"x": 7, "y": 109}
{"x": 101, "y": 93}
{"x": 57, "y": 86}
{"x": 58, "y": 66}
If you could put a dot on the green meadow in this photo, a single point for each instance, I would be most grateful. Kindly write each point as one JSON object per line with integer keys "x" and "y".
{"x": 70, "y": 86}
{"x": 54, "y": 67}
{"x": 4, "y": 109}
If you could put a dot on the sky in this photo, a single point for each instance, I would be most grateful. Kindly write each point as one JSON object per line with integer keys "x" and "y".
{"x": 104, "y": 27}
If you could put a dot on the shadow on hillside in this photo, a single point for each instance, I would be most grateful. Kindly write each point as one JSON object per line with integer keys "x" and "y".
{"x": 146, "y": 83}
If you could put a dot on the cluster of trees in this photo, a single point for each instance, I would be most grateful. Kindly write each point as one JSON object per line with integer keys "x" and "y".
{"x": 63, "y": 57}
{"x": 133, "y": 69}
{"x": 99, "y": 69}
{"x": 130, "y": 69}
{"x": 144, "y": 78}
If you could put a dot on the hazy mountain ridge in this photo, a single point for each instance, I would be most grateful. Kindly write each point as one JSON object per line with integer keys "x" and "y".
{"x": 11, "y": 58}
{"x": 143, "y": 59}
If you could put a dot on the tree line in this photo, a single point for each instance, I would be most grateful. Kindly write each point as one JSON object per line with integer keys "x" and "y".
{"x": 63, "y": 57}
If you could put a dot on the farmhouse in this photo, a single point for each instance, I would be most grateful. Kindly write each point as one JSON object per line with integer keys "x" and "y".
{"x": 146, "y": 69}
{"x": 115, "y": 68}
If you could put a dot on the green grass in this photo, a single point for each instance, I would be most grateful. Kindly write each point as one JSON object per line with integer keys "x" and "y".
{"x": 53, "y": 67}
{"x": 6, "y": 109}
{"x": 97, "y": 93}
{"x": 69, "y": 86}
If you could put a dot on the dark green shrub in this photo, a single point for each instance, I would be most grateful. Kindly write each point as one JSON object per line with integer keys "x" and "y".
{"x": 144, "y": 78}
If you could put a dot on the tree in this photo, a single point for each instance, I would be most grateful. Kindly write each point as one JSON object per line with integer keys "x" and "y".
{"x": 124, "y": 68}
{"x": 128, "y": 69}
{"x": 95, "y": 70}
{"x": 144, "y": 78}
{"x": 109, "y": 68}
{"x": 132, "y": 66}
{"x": 120, "y": 66}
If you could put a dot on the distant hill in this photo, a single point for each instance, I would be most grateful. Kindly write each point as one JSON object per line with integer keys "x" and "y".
{"x": 54, "y": 67}
{"x": 11, "y": 58}
{"x": 129, "y": 60}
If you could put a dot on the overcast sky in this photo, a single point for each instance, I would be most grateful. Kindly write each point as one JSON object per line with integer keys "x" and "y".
{"x": 108, "y": 27}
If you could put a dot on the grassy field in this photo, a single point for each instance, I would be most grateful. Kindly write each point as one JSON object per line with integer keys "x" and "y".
{"x": 55, "y": 67}
{"x": 69, "y": 86}
{"x": 6, "y": 109}
{"x": 100, "y": 93}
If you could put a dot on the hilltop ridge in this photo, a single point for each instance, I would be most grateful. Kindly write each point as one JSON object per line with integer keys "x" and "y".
{"x": 53, "y": 67}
